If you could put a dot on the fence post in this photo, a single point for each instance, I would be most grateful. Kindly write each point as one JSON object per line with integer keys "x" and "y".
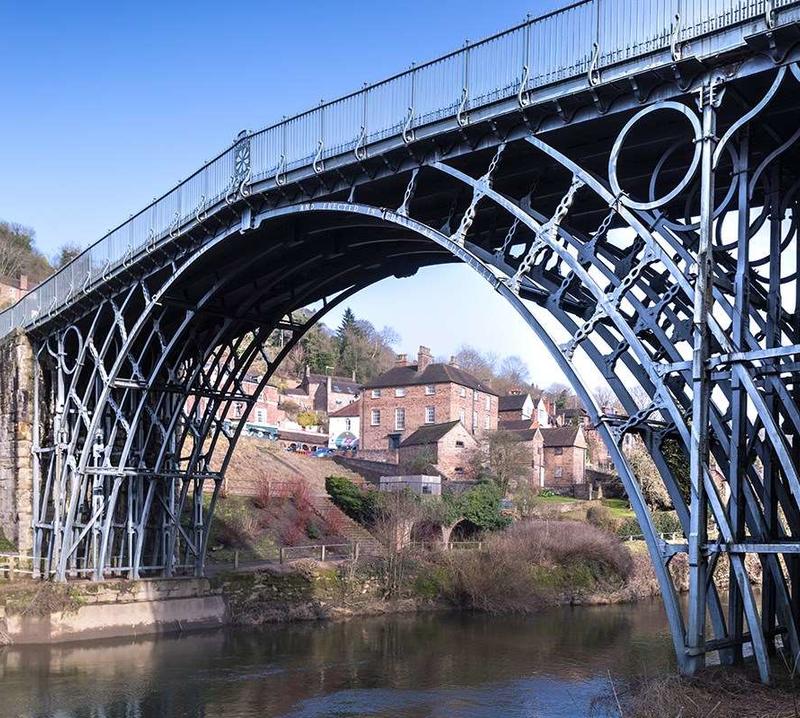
{"x": 236, "y": 559}
{"x": 281, "y": 554}
{"x": 322, "y": 553}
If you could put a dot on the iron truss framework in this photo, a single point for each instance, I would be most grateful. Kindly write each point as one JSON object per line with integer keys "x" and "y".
{"x": 653, "y": 242}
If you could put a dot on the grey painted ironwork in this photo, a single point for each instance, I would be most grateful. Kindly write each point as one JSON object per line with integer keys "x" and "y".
{"x": 635, "y": 202}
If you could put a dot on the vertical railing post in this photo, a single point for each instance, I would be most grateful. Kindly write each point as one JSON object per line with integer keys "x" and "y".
{"x": 772, "y": 340}
{"x": 322, "y": 553}
{"x": 738, "y": 442}
{"x": 701, "y": 386}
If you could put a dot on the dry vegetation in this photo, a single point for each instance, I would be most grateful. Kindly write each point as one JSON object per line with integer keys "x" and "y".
{"x": 533, "y": 564}
{"x": 715, "y": 693}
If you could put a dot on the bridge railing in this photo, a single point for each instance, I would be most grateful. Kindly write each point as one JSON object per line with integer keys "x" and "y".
{"x": 567, "y": 43}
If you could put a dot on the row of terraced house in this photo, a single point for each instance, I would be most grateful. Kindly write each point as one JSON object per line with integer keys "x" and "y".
{"x": 437, "y": 413}
{"x": 423, "y": 413}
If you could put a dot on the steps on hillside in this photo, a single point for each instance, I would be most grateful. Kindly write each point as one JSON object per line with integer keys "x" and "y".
{"x": 353, "y": 531}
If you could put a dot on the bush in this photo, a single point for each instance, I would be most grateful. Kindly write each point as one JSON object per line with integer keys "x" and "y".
{"x": 358, "y": 504}
{"x": 481, "y": 506}
{"x": 547, "y": 493}
{"x": 600, "y": 516}
{"x": 664, "y": 522}
{"x": 532, "y": 564}
{"x": 307, "y": 418}
{"x": 667, "y": 522}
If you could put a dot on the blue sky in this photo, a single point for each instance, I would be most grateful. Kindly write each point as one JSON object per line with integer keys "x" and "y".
{"x": 107, "y": 104}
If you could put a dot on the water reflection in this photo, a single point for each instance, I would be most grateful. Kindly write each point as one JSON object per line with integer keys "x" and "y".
{"x": 453, "y": 666}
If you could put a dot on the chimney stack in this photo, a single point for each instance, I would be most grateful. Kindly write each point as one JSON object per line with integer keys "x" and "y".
{"x": 23, "y": 282}
{"x": 453, "y": 361}
{"x": 424, "y": 358}
{"x": 401, "y": 360}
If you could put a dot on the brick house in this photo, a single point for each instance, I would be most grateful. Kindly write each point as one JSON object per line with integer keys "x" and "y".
{"x": 410, "y": 396}
{"x": 344, "y": 427}
{"x": 534, "y": 442}
{"x": 266, "y": 408}
{"x": 445, "y": 446}
{"x": 319, "y": 392}
{"x": 12, "y": 290}
{"x": 518, "y": 411}
{"x": 564, "y": 450}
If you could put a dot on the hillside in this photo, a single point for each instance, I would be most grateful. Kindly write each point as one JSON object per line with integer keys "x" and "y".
{"x": 255, "y": 461}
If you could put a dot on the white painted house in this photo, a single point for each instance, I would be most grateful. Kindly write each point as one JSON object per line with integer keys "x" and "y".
{"x": 344, "y": 427}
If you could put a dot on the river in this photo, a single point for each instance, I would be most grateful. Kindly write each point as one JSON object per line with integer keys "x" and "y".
{"x": 438, "y": 665}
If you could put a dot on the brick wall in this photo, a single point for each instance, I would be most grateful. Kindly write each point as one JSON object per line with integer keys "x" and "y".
{"x": 16, "y": 427}
{"x": 448, "y": 404}
{"x": 568, "y": 461}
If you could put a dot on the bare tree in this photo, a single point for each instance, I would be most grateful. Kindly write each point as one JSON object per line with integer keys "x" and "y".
{"x": 13, "y": 249}
{"x": 504, "y": 457}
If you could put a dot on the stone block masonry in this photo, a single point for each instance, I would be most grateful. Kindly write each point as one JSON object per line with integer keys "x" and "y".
{"x": 16, "y": 440}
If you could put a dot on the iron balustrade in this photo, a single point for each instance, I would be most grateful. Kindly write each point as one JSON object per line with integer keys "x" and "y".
{"x": 580, "y": 39}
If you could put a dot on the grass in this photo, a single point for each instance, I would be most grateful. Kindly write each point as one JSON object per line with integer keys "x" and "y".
{"x": 619, "y": 508}
{"x": 557, "y": 500}
{"x": 235, "y": 511}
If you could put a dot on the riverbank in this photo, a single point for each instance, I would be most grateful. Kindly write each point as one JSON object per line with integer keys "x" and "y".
{"x": 718, "y": 692}
{"x": 526, "y": 569}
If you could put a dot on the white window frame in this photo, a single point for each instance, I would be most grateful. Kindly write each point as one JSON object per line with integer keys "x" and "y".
{"x": 462, "y": 392}
{"x": 261, "y": 416}
{"x": 463, "y": 416}
{"x": 430, "y": 389}
{"x": 474, "y": 420}
{"x": 488, "y": 403}
{"x": 375, "y": 417}
{"x": 400, "y": 392}
{"x": 376, "y": 394}
{"x": 400, "y": 419}
{"x": 487, "y": 422}
{"x": 347, "y": 424}
{"x": 430, "y": 414}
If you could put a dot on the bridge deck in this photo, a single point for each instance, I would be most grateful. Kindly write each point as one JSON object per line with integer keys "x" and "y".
{"x": 585, "y": 46}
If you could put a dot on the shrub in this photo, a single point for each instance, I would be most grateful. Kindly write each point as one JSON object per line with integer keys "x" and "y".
{"x": 313, "y": 531}
{"x": 334, "y": 523}
{"x": 356, "y": 503}
{"x": 293, "y": 534}
{"x": 600, "y": 516}
{"x": 263, "y": 491}
{"x": 481, "y": 506}
{"x": 301, "y": 496}
{"x": 629, "y": 527}
{"x": 533, "y": 563}
{"x": 667, "y": 522}
{"x": 547, "y": 493}
{"x": 664, "y": 522}
{"x": 307, "y": 418}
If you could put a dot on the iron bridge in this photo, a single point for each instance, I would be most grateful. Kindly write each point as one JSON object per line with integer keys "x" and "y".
{"x": 627, "y": 170}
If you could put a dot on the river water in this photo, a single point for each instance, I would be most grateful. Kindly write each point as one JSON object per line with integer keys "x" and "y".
{"x": 440, "y": 665}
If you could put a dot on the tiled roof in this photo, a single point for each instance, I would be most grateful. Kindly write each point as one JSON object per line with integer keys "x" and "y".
{"x": 560, "y": 435}
{"x": 296, "y": 391}
{"x": 339, "y": 384}
{"x": 512, "y": 402}
{"x": 429, "y": 434}
{"x": 303, "y": 438}
{"x": 514, "y": 424}
{"x": 526, "y": 434}
{"x": 352, "y": 409}
{"x": 432, "y": 374}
